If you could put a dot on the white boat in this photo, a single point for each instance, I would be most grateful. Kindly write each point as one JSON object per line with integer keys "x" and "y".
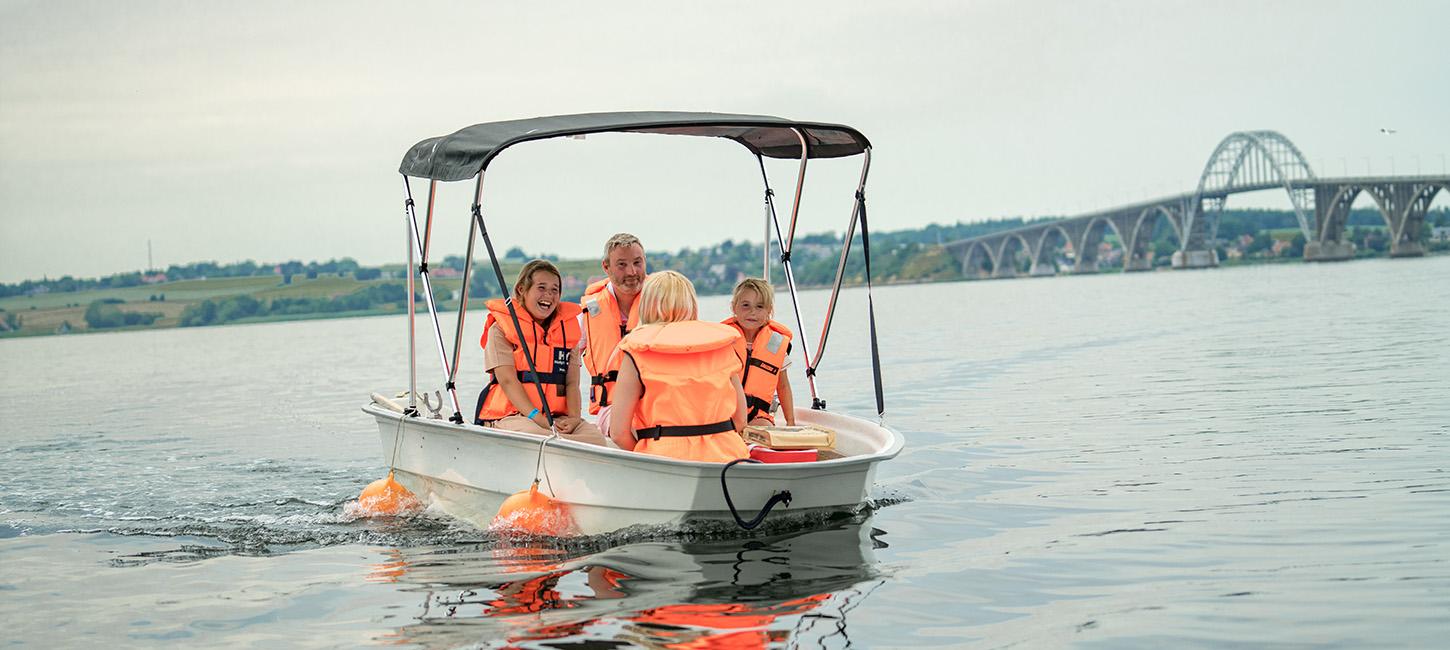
{"x": 467, "y": 470}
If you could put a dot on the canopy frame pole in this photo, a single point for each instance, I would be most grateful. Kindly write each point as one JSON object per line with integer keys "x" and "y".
{"x": 412, "y": 409}
{"x": 765, "y": 242}
{"x": 856, "y": 207}
{"x": 463, "y": 288}
{"x": 800, "y": 182}
{"x": 786, "y": 242}
{"x": 508, "y": 301}
{"x": 418, "y": 242}
{"x": 428, "y": 225}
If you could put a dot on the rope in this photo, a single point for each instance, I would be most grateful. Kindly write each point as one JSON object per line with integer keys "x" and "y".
{"x": 870, "y": 305}
{"x": 782, "y": 496}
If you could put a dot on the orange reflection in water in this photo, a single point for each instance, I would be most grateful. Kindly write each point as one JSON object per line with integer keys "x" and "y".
{"x": 732, "y": 594}
{"x": 389, "y": 571}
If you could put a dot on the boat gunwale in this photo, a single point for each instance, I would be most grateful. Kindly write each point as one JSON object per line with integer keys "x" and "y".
{"x": 896, "y": 443}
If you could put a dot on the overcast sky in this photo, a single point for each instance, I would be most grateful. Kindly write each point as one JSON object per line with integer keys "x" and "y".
{"x": 272, "y": 131}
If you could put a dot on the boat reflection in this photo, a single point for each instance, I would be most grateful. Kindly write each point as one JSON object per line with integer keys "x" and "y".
{"x": 761, "y": 592}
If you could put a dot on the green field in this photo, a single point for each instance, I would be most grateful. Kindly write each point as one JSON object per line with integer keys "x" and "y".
{"x": 45, "y": 313}
{"x": 179, "y": 291}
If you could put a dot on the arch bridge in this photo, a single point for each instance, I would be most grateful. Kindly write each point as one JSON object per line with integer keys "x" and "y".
{"x": 1246, "y": 161}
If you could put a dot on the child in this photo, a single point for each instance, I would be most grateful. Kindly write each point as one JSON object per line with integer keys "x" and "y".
{"x": 768, "y": 345}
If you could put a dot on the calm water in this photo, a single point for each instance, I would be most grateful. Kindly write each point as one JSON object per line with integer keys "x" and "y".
{"x": 1245, "y": 457}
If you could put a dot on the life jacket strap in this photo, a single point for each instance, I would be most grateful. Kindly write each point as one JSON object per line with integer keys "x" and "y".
{"x": 757, "y": 406}
{"x": 554, "y": 378}
{"x": 763, "y": 365}
{"x": 603, "y": 381}
{"x": 681, "y": 431}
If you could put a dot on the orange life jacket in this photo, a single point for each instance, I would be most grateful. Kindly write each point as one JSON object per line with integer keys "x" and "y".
{"x": 685, "y": 370}
{"x": 601, "y": 320}
{"x": 762, "y": 370}
{"x": 550, "y": 347}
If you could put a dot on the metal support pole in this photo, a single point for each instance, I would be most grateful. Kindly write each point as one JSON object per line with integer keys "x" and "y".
{"x": 412, "y": 309}
{"x": 765, "y": 243}
{"x": 784, "y": 241}
{"x": 845, "y": 250}
{"x": 463, "y": 289}
{"x": 418, "y": 239}
{"x": 800, "y": 182}
{"x": 428, "y": 225}
{"x": 508, "y": 302}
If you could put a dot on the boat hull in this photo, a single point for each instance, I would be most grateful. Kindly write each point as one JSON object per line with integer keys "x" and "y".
{"x": 467, "y": 471}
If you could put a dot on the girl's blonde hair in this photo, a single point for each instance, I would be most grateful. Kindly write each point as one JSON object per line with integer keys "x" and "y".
{"x": 526, "y": 276}
{"x": 667, "y": 297}
{"x": 760, "y": 287}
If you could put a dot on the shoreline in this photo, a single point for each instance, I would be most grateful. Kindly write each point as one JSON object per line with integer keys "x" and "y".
{"x": 392, "y": 310}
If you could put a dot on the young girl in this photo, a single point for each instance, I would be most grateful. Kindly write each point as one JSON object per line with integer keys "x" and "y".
{"x": 551, "y": 332}
{"x": 768, "y": 345}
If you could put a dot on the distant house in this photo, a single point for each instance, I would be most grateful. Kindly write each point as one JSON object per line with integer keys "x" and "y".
{"x": 445, "y": 272}
{"x": 1440, "y": 233}
{"x": 154, "y": 278}
{"x": 1280, "y": 245}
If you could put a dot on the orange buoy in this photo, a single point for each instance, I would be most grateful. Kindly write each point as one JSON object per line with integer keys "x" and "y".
{"x": 386, "y": 496}
{"x": 534, "y": 513}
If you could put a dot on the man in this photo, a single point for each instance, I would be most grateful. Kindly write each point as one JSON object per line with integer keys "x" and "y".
{"x": 611, "y": 310}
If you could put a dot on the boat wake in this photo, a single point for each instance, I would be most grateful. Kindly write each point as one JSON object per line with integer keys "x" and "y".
{"x": 294, "y": 523}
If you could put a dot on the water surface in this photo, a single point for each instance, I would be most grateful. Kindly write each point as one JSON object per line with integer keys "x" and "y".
{"x": 1250, "y": 456}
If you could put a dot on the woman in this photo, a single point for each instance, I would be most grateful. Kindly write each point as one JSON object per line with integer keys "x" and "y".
{"x": 551, "y": 334}
{"x": 678, "y": 392}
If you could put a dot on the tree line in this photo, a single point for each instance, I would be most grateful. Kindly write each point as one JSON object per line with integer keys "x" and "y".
{"x": 234, "y": 308}
{"x": 900, "y": 255}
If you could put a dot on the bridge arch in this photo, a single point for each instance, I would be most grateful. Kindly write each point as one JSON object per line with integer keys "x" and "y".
{"x": 1042, "y": 252}
{"x": 1337, "y": 218}
{"x": 976, "y": 253}
{"x": 1420, "y": 201}
{"x": 1087, "y": 247}
{"x": 1007, "y": 261}
{"x": 1144, "y": 228}
{"x": 1245, "y": 161}
{"x": 1402, "y": 206}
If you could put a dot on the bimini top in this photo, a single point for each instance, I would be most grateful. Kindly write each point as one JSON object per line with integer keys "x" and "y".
{"x": 467, "y": 151}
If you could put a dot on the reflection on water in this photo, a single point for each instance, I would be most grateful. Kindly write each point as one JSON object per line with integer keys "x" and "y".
{"x": 742, "y": 593}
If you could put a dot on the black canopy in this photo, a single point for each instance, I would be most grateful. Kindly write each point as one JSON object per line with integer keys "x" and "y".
{"x": 467, "y": 151}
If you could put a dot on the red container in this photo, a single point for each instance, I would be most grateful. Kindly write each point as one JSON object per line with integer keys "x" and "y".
{"x": 768, "y": 455}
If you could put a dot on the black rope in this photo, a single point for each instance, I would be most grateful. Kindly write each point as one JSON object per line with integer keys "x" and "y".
{"x": 508, "y": 301}
{"x": 870, "y": 304}
{"x": 782, "y": 496}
